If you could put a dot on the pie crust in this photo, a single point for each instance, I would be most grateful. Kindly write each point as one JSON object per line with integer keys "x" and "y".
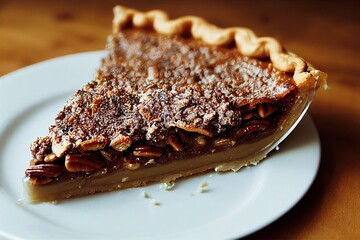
{"x": 247, "y": 43}
{"x": 69, "y": 163}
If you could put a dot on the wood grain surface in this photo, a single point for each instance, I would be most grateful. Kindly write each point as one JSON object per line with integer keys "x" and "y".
{"x": 325, "y": 33}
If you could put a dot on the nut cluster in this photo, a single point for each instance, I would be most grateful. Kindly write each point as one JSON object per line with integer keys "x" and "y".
{"x": 43, "y": 173}
{"x": 99, "y": 152}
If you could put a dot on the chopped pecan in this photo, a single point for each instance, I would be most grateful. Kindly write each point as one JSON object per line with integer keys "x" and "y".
{"x": 82, "y": 163}
{"x": 94, "y": 144}
{"x": 195, "y": 129}
{"x": 200, "y": 141}
{"x": 175, "y": 143}
{"x": 35, "y": 161}
{"x": 40, "y": 147}
{"x": 44, "y": 170}
{"x": 38, "y": 181}
{"x": 252, "y": 126}
{"x": 248, "y": 116}
{"x": 60, "y": 148}
{"x": 224, "y": 142}
{"x": 264, "y": 122}
{"x": 110, "y": 154}
{"x": 147, "y": 151}
{"x": 265, "y": 109}
{"x": 50, "y": 157}
{"x": 132, "y": 165}
{"x": 120, "y": 142}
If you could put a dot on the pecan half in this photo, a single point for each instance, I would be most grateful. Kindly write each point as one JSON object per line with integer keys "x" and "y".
{"x": 120, "y": 142}
{"x": 94, "y": 144}
{"x": 81, "y": 163}
{"x": 44, "y": 170}
{"x": 147, "y": 151}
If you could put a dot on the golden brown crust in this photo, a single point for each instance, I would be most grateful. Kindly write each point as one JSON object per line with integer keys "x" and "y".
{"x": 246, "y": 41}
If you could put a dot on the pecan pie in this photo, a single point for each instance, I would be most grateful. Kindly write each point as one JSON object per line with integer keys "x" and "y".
{"x": 172, "y": 98}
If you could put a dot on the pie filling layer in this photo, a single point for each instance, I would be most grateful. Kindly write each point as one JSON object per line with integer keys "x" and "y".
{"x": 163, "y": 107}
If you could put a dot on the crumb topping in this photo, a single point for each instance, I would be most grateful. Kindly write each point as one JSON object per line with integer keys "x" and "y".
{"x": 150, "y": 83}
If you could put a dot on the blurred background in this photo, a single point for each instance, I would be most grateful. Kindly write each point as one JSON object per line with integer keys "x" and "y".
{"x": 325, "y": 33}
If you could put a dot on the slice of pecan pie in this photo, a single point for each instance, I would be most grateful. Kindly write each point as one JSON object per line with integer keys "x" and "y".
{"x": 172, "y": 98}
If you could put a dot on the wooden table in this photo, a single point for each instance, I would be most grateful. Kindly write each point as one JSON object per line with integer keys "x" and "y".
{"x": 325, "y": 33}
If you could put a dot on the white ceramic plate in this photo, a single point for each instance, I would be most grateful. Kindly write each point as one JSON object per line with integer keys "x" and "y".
{"x": 235, "y": 204}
